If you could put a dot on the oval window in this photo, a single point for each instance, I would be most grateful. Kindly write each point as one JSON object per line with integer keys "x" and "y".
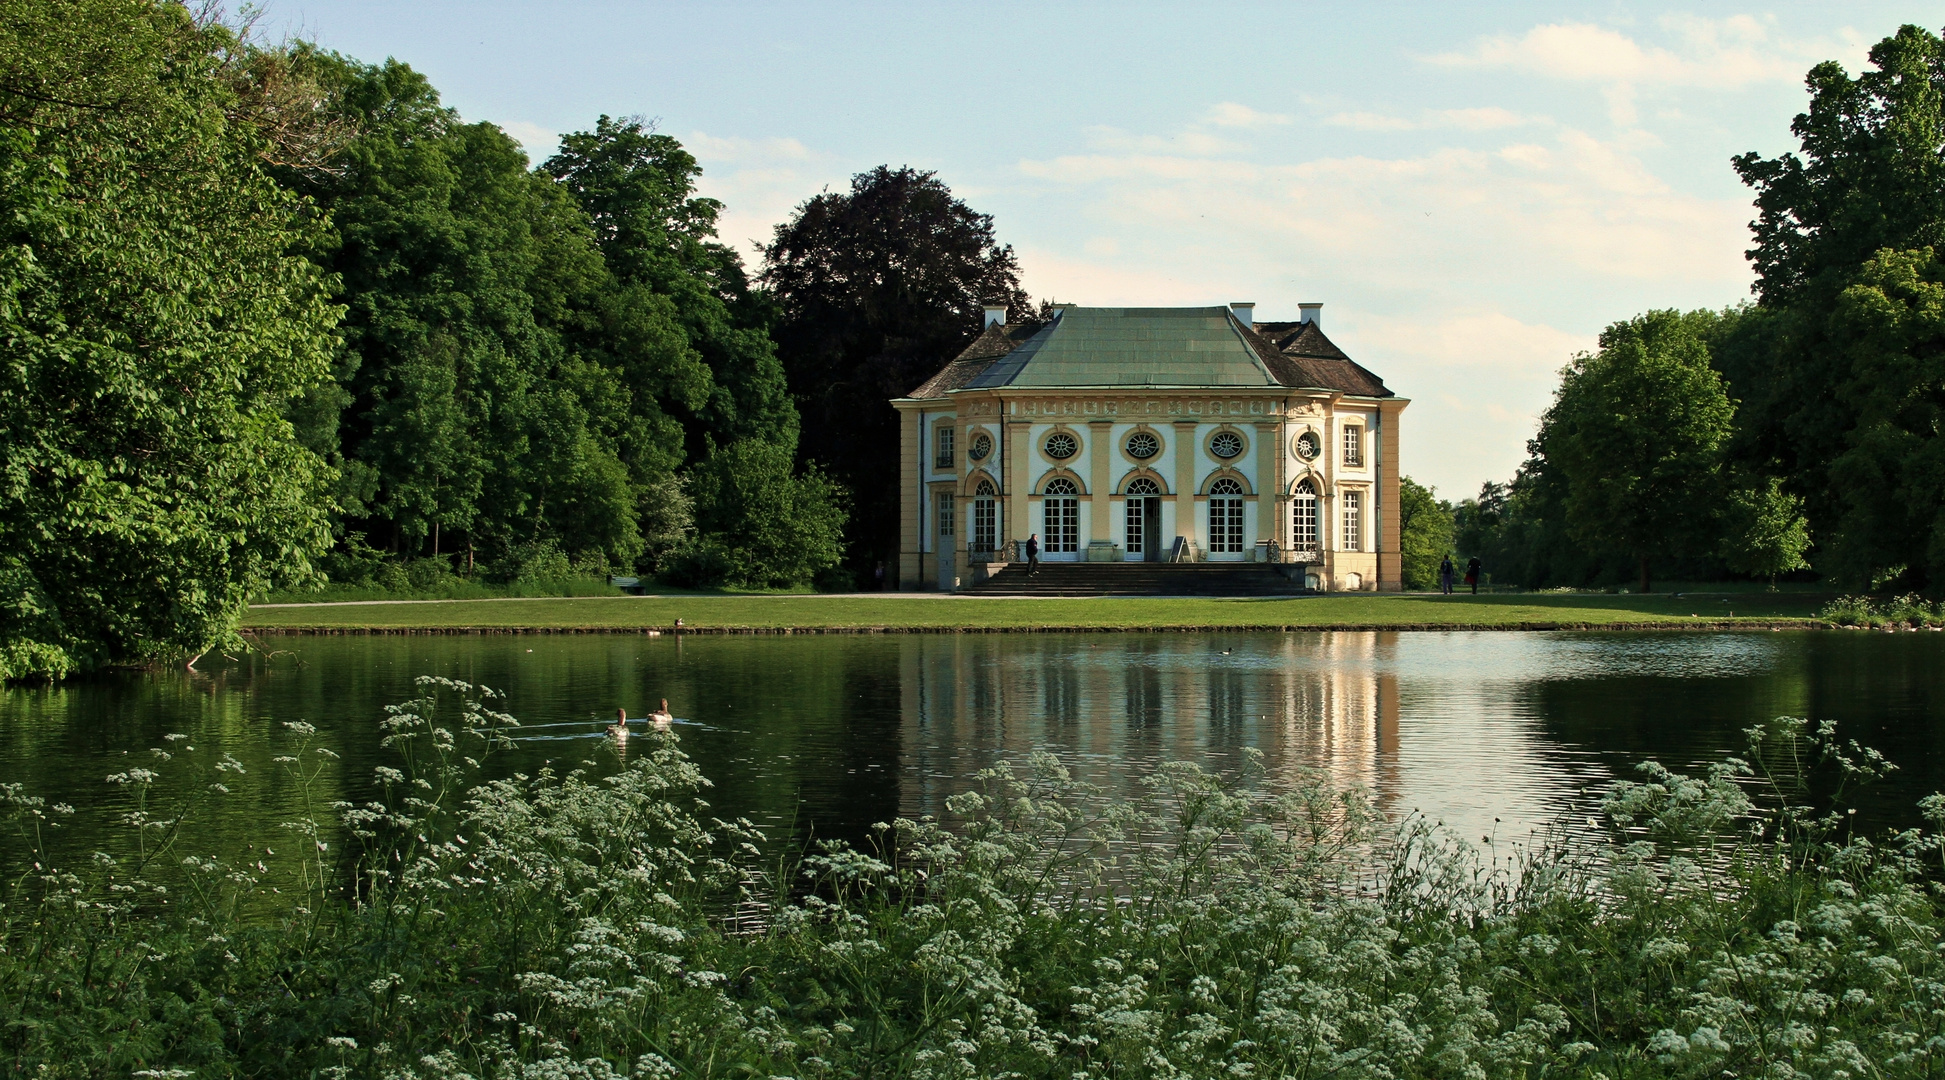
{"x": 1308, "y": 446}
{"x": 1143, "y": 445}
{"x": 1061, "y": 446}
{"x": 1226, "y": 445}
{"x": 981, "y": 446}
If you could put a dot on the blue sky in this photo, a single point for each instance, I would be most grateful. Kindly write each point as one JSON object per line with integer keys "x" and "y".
{"x": 1472, "y": 190}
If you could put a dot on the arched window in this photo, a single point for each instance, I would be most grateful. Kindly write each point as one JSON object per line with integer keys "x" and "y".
{"x": 1303, "y": 518}
{"x": 1141, "y": 485}
{"x": 985, "y": 523}
{"x": 1062, "y": 514}
{"x": 1225, "y": 517}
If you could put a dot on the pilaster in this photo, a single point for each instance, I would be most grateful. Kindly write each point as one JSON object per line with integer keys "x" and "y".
{"x": 1017, "y": 478}
{"x": 1186, "y": 453}
{"x": 1100, "y": 439}
{"x": 1269, "y": 483}
{"x": 1391, "y": 566}
{"x": 911, "y": 496}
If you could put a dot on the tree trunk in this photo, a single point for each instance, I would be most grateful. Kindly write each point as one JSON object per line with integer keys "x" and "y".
{"x": 1644, "y": 573}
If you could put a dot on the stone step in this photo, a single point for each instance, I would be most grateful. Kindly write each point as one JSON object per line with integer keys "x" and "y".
{"x": 1139, "y": 579}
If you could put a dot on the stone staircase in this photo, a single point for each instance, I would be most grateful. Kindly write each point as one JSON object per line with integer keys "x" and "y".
{"x": 1139, "y": 579}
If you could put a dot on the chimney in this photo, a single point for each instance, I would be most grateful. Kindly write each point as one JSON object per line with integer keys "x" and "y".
{"x": 1245, "y": 312}
{"x": 995, "y": 315}
{"x": 1311, "y": 313}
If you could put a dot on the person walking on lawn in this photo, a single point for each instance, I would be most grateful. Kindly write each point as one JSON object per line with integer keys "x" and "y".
{"x": 1445, "y": 573}
{"x": 1033, "y": 554}
{"x": 1472, "y": 574}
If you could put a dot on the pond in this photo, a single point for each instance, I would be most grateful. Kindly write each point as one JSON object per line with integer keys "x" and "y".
{"x": 1495, "y": 734}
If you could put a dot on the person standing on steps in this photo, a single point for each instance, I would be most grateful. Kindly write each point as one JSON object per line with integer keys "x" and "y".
{"x": 1445, "y": 573}
{"x": 1472, "y": 574}
{"x": 1033, "y": 554}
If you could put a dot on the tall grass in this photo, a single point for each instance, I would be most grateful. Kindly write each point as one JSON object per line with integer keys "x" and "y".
{"x": 569, "y": 925}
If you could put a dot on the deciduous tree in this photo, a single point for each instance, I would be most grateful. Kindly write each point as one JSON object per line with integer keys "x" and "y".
{"x": 1635, "y": 434}
{"x": 156, "y": 327}
{"x": 1425, "y": 533}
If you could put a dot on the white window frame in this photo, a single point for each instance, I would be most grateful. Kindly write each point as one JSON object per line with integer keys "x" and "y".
{"x": 1353, "y": 514}
{"x": 1060, "y": 513}
{"x": 1226, "y": 517}
{"x": 1303, "y": 518}
{"x": 947, "y": 513}
{"x": 1354, "y": 446}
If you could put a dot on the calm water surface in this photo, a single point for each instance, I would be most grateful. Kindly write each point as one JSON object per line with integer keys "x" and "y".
{"x": 826, "y": 735}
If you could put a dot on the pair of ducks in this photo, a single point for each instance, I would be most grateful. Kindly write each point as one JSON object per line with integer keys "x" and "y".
{"x": 659, "y": 719}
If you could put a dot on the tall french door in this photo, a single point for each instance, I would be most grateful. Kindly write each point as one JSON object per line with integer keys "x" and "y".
{"x": 1142, "y": 522}
{"x": 1225, "y": 520}
{"x": 985, "y": 524}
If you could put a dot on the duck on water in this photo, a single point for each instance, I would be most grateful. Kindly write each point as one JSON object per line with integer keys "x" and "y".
{"x": 660, "y": 719}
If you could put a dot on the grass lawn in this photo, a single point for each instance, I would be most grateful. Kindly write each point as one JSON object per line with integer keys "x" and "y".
{"x": 920, "y": 611}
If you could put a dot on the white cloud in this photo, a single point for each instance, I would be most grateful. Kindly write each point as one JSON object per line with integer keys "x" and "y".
{"x": 1188, "y": 141}
{"x": 1455, "y": 271}
{"x": 1718, "y": 54}
{"x": 1369, "y": 121}
{"x": 1484, "y": 119}
{"x": 1479, "y": 379}
{"x": 735, "y": 150}
{"x": 1489, "y": 118}
{"x": 537, "y": 141}
{"x": 760, "y": 182}
{"x": 1233, "y": 115}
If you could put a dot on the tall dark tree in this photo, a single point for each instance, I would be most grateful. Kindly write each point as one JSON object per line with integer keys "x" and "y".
{"x": 1842, "y": 388}
{"x": 876, "y": 288}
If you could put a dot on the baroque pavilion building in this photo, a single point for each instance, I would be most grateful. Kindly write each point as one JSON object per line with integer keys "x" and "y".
{"x": 1151, "y": 434}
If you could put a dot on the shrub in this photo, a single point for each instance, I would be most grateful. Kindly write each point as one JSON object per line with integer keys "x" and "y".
{"x": 534, "y": 562}
{"x": 1909, "y": 609}
{"x": 761, "y": 524}
{"x": 1848, "y": 611}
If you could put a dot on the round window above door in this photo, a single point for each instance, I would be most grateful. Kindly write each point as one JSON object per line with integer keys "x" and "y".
{"x": 982, "y": 445}
{"x": 1143, "y": 445}
{"x": 1309, "y": 446}
{"x": 1226, "y": 444}
{"x": 1060, "y": 446}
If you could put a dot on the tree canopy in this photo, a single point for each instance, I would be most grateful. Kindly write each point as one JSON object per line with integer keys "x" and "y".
{"x": 1839, "y": 372}
{"x": 1636, "y": 432}
{"x": 157, "y": 327}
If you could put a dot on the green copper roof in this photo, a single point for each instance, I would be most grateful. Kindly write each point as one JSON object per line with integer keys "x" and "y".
{"x": 1199, "y": 346}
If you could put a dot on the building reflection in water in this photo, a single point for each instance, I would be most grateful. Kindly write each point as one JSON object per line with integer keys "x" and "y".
{"x": 1111, "y": 707}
